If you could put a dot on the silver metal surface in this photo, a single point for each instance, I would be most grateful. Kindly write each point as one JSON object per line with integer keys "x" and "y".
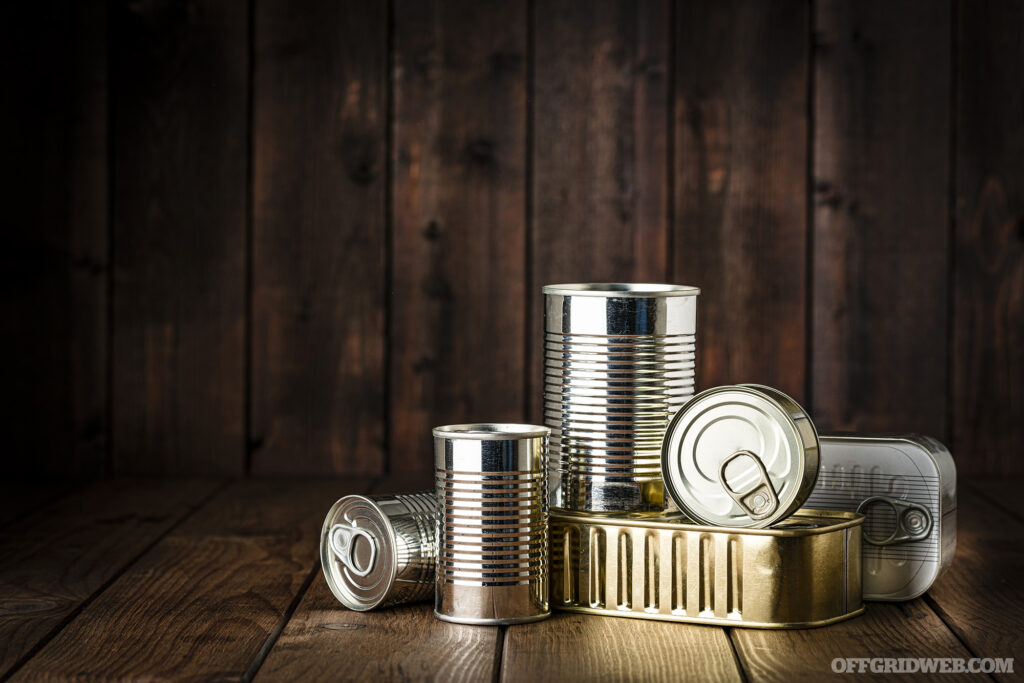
{"x": 492, "y": 565}
{"x": 378, "y": 551}
{"x": 906, "y": 487}
{"x": 618, "y": 363}
{"x": 912, "y": 521}
{"x": 740, "y": 456}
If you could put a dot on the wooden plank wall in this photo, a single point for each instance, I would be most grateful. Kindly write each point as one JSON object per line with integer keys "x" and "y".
{"x": 288, "y": 238}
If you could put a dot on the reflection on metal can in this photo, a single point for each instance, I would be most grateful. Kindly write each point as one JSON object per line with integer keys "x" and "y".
{"x": 804, "y": 572}
{"x": 618, "y": 363}
{"x": 740, "y": 456}
{"x": 906, "y": 486}
{"x": 378, "y": 551}
{"x": 493, "y": 544}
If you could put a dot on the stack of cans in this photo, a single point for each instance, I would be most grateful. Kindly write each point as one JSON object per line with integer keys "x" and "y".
{"x": 638, "y": 498}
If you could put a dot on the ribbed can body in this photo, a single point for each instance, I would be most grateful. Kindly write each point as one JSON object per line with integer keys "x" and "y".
{"x": 492, "y": 559}
{"x": 619, "y": 362}
{"x": 379, "y": 551}
{"x": 415, "y": 538}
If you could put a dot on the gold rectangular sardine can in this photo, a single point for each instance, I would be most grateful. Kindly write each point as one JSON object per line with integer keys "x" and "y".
{"x": 801, "y": 573}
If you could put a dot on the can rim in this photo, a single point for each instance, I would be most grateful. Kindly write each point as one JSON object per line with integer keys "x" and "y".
{"x": 621, "y": 290}
{"x": 339, "y": 588}
{"x": 491, "y": 431}
{"x": 843, "y": 520}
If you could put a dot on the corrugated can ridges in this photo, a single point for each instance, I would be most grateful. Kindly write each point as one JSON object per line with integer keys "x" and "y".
{"x": 494, "y": 526}
{"x": 417, "y": 545}
{"x": 493, "y": 538}
{"x": 659, "y": 567}
{"x": 608, "y": 401}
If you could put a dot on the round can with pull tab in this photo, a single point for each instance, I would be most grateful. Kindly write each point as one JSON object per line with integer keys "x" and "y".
{"x": 379, "y": 551}
{"x": 740, "y": 456}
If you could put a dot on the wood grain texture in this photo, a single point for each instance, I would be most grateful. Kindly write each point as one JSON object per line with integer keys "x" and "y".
{"x": 180, "y": 167}
{"x": 459, "y": 205}
{"x": 204, "y": 600}
{"x": 319, "y": 145}
{"x": 909, "y": 629}
{"x": 740, "y": 233}
{"x": 54, "y": 234}
{"x": 57, "y": 558}
{"x": 881, "y": 216}
{"x": 981, "y": 596}
{"x": 600, "y": 153}
{"x": 579, "y": 647}
{"x": 988, "y": 335}
{"x": 325, "y": 641}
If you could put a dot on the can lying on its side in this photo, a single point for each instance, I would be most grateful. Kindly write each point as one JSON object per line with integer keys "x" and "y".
{"x": 906, "y": 486}
{"x": 378, "y": 551}
{"x": 804, "y": 572}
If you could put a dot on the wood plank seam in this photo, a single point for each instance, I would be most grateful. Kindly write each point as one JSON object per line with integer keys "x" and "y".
{"x": 740, "y": 666}
{"x": 950, "y": 624}
{"x": 812, "y": 57}
{"x": 250, "y": 227}
{"x": 954, "y": 119}
{"x": 670, "y": 146}
{"x": 499, "y": 652}
{"x": 71, "y": 616}
{"x": 389, "y": 229}
{"x": 268, "y": 645}
{"x": 530, "y": 284}
{"x": 109, "y": 356}
{"x": 978, "y": 598}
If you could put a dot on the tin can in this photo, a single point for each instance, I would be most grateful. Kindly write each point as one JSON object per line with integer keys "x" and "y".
{"x": 906, "y": 486}
{"x": 492, "y": 564}
{"x": 618, "y": 363}
{"x": 804, "y": 572}
{"x": 378, "y": 551}
{"x": 740, "y": 456}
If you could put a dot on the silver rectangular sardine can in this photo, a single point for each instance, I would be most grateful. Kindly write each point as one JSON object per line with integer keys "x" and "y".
{"x": 886, "y": 476}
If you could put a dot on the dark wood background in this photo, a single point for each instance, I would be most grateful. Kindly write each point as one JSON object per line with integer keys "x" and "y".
{"x": 278, "y": 237}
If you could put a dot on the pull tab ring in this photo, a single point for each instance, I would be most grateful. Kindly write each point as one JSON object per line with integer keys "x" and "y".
{"x": 760, "y": 500}
{"x": 343, "y": 543}
{"x": 913, "y": 521}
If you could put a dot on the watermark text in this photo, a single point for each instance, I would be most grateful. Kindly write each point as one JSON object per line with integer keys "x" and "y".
{"x": 930, "y": 665}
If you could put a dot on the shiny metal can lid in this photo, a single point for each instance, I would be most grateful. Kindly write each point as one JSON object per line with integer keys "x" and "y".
{"x": 740, "y": 456}
{"x": 358, "y": 550}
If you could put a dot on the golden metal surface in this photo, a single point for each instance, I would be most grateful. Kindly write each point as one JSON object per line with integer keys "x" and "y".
{"x": 804, "y": 572}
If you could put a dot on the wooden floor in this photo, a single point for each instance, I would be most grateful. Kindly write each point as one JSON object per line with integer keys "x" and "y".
{"x": 132, "y": 579}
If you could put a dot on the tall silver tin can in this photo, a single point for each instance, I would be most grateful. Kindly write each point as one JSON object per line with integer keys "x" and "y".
{"x": 906, "y": 487}
{"x": 378, "y": 551}
{"x": 492, "y": 564}
{"x": 618, "y": 363}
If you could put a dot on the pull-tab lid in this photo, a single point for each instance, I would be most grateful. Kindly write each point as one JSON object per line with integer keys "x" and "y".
{"x": 740, "y": 456}
{"x": 357, "y": 550}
